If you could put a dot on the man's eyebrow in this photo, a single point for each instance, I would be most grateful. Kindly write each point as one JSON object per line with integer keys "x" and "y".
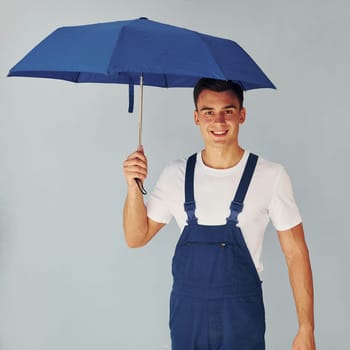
{"x": 206, "y": 109}
{"x": 210, "y": 108}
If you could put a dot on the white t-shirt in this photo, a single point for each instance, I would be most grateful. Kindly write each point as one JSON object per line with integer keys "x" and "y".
{"x": 269, "y": 196}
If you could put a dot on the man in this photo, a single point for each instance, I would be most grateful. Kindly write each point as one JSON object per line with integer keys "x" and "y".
{"x": 222, "y": 199}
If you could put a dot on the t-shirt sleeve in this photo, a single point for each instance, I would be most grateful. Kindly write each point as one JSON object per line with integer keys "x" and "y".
{"x": 283, "y": 210}
{"x": 157, "y": 203}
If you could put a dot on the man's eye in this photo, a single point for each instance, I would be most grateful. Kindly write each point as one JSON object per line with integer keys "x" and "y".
{"x": 229, "y": 111}
{"x": 208, "y": 113}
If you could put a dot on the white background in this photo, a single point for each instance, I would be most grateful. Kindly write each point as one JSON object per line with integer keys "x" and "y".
{"x": 67, "y": 279}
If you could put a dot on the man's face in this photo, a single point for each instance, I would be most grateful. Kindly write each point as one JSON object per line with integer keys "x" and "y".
{"x": 218, "y": 115}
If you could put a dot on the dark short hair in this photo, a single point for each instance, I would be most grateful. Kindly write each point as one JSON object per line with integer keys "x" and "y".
{"x": 218, "y": 86}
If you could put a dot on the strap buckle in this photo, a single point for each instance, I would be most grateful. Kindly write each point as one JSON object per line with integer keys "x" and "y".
{"x": 235, "y": 209}
{"x": 190, "y": 208}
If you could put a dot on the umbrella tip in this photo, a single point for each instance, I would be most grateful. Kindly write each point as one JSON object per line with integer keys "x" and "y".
{"x": 143, "y": 18}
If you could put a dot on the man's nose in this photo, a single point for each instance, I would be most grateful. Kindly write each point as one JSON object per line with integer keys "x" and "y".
{"x": 219, "y": 117}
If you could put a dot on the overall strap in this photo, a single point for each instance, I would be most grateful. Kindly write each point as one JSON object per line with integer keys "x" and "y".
{"x": 237, "y": 203}
{"x": 190, "y": 204}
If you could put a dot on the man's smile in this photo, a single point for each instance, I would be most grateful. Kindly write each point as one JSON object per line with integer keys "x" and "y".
{"x": 219, "y": 133}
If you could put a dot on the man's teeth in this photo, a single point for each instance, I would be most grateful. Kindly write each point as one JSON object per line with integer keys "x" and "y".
{"x": 219, "y": 132}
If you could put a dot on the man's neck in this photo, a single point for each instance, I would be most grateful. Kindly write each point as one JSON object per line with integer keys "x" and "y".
{"x": 222, "y": 159}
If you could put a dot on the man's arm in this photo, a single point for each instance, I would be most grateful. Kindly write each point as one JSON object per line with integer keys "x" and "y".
{"x": 300, "y": 275}
{"x": 138, "y": 228}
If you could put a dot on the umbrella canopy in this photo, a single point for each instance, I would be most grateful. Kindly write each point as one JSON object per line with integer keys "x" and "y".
{"x": 119, "y": 52}
{"x": 139, "y": 51}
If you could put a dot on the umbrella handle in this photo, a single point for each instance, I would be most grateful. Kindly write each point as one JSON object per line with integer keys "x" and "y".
{"x": 140, "y": 186}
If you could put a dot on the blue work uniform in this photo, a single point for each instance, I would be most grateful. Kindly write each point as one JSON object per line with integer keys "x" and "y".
{"x": 216, "y": 301}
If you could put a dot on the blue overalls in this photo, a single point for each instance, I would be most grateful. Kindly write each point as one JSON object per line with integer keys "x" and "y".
{"x": 216, "y": 302}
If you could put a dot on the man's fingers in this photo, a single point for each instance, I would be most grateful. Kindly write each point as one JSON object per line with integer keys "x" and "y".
{"x": 138, "y": 155}
{"x": 135, "y": 161}
{"x": 134, "y": 176}
{"x": 135, "y": 166}
{"x": 135, "y": 169}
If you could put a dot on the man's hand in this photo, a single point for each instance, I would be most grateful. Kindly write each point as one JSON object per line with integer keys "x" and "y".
{"x": 134, "y": 167}
{"x": 304, "y": 340}
{"x": 138, "y": 228}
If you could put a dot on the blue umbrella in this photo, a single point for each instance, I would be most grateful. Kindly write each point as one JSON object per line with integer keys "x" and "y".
{"x": 139, "y": 52}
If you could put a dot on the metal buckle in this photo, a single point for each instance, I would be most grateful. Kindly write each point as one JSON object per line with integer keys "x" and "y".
{"x": 235, "y": 209}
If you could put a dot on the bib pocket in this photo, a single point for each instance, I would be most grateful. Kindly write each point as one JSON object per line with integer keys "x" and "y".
{"x": 204, "y": 264}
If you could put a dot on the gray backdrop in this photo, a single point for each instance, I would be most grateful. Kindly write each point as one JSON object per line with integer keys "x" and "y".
{"x": 67, "y": 279}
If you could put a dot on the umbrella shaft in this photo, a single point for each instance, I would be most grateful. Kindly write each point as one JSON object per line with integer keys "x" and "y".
{"x": 140, "y": 111}
{"x": 138, "y": 181}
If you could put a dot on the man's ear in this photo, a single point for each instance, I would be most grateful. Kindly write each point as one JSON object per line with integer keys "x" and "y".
{"x": 196, "y": 117}
{"x": 242, "y": 115}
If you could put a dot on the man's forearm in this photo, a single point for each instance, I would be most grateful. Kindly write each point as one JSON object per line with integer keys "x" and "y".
{"x": 135, "y": 219}
{"x": 300, "y": 276}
